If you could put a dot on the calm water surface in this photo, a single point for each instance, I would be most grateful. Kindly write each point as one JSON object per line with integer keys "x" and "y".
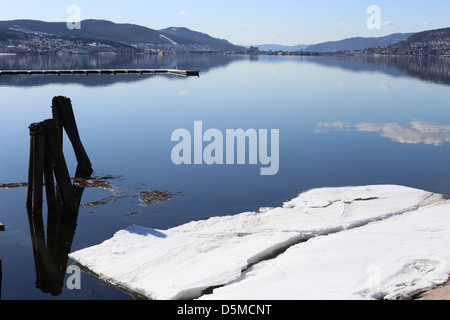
{"x": 342, "y": 121}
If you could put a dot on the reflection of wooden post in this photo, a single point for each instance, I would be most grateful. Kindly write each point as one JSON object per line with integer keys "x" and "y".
{"x": 51, "y": 256}
{"x": 64, "y": 116}
{"x": 37, "y": 234}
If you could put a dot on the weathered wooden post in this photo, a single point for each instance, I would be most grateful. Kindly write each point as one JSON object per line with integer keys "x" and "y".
{"x": 30, "y": 173}
{"x": 36, "y": 169}
{"x": 64, "y": 116}
{"x": 47, "y": 162}
{"x": 62, "y": 176}
{"x": 48, "y": 177}
{"x": 46, "y": 158}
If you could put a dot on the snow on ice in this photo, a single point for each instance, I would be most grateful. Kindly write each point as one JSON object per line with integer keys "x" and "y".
{"x": 369, "y": 242}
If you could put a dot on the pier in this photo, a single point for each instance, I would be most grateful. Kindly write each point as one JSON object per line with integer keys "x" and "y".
{"x": 186, "y": 73}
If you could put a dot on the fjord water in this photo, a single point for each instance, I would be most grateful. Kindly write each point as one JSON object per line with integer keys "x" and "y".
{"x": 343, "y": 121}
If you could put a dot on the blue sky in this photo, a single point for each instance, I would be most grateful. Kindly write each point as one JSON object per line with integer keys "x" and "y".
{"x": 247, "y": 22}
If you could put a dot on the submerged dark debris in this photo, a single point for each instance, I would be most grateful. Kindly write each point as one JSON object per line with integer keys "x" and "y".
{"x": 91, "y": 183}
{"x": 102, "y": 201}
{"x": 145, "y": 197}
{"x": 154, "y": 196}
{"x": 95, "y": 182}
{"x": 132, "y": 213}
{"x": 13, "y": 185}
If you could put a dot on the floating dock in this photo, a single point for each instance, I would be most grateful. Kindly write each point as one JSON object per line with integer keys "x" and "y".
{"x": 186, "y": 73}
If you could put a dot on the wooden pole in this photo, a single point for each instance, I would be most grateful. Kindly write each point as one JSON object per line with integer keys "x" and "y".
{"x": 38, "y": 150}
{"x": 48, "y": 176}
{"x": 62, "y": 176}
{"x": 30, "y": 173}
{"x": 47, "y": 162}
{"x": 63, "y": 113}
{"x": 52, "y": 200}
{"x": 59, "y": 124}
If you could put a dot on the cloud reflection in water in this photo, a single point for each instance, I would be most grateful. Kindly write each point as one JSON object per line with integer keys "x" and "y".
{"x": 415, "y": 132}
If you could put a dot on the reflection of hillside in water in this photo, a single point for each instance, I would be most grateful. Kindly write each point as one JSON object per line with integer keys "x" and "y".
{"x": 202, "y": 62}
{"x": 434, "y": 69}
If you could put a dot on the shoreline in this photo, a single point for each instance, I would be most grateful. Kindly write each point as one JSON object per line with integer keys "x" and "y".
{"x": 441, "y": 292}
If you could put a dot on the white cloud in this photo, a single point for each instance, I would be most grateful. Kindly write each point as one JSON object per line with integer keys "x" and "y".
{"x": 387, "y": 23}
{"x": 182, "y": 13}
{"x": 344, "y": 25}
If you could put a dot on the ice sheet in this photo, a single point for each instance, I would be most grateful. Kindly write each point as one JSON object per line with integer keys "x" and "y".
{"x": 180, "y": 263}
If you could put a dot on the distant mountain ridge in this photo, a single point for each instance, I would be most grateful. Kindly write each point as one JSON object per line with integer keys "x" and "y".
{"x": 129, "y": 34}
{"x": 28, "y": 38}
{"x": 349, "y": 44}
{"x": 278, "y": 47}
{"x": 442, "y": 34}
{"x": 191, "y": 36}
{"x": 431, "y": 42}
{"x": 7, "y": 34}
{"x": 358, "y": 43}
{"x": 99, "y": 35}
